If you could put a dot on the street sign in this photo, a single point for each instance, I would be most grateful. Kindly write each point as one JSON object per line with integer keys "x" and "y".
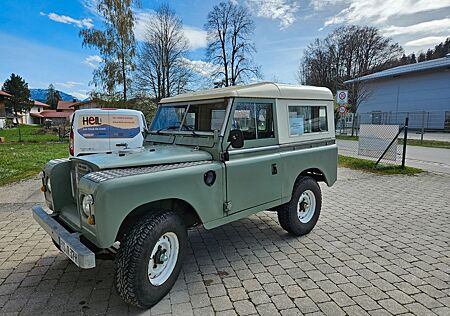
{"x": 342, "y": 96}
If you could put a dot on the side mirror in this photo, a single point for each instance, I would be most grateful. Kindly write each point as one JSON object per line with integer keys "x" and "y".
{"x": 236, "y": 138}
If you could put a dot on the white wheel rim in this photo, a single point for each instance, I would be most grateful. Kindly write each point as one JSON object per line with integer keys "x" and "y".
{"x": 306, "y": 206}
{"x": 163, "y": 259}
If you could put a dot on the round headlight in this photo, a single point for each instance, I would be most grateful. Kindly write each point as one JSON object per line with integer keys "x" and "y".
{"x": 86, "y": 204}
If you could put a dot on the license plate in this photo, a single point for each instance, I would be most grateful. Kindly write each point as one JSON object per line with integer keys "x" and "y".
{"x": 69, "y": 252}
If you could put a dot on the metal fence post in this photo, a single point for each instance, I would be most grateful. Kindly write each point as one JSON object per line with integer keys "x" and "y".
{"x": 423, "y": 127}
{"x": 405, "y": 138}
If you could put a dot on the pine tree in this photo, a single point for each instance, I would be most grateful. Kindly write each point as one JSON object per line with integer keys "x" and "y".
{"x": 20, "y": 100}
{"x": 53, "y": 96}
{"x": 403, "y": 60}
{"x": 421, "y": 57}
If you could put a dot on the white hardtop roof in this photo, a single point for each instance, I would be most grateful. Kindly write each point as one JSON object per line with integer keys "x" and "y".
{"x": 267, "y": 90}
{"x": 106, "y": 110}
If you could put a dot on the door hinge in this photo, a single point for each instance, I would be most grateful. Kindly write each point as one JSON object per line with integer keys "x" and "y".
{"x": 227, "y": 207}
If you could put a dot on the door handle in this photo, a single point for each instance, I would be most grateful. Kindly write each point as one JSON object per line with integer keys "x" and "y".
{"x": 274, "y": 168}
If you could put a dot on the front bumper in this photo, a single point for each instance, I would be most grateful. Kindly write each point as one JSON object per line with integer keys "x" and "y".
{"x": 69, "y": 243}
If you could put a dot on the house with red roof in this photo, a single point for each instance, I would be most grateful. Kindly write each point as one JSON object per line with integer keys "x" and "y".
{"x": 67, "y": 106}
{"x": 3, "y": 97}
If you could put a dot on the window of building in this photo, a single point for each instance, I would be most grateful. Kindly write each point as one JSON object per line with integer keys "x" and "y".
{"x": 307, "y": 119}
{"x": 255, "y": 120}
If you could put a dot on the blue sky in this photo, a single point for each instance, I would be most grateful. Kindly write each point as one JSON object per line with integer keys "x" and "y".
{"x": 39, "y": 38}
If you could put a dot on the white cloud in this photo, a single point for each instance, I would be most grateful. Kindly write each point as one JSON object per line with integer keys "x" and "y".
{"x": 92, "y": 61}
{"x": 436, "y": 27}
{"x": 196, "y": 36}
{"x": 203, "y": 68}
{"x": 141, "y": 24}
{"x": 80, "y": 95}
{"x": 282, "y": 10}
{"x": 69, "y": 84}
{"x": 429, "y": 41}
{"x": 379, "y": 11}
{"x": 91, "y": 5}
{"x": 322, "y": 4}
{"x": 87, "y": 23}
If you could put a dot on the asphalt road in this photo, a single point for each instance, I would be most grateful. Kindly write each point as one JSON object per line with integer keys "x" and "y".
{"x": 426, "y": 158}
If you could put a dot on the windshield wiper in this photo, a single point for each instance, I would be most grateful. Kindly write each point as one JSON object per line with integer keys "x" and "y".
{"x": 167, "y": 129}
{"x": 191, "y": 129}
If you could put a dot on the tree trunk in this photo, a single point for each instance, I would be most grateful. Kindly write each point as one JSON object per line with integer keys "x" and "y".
{"x": 124, "y": 77}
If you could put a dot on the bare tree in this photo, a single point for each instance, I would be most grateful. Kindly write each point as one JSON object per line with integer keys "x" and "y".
{"x": 347, "y": 53}
{"x": 162, "y": 69}
{"x": 230, "y": 28}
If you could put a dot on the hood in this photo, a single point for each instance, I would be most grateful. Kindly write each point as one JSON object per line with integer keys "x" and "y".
{"x": 148, "y": 156}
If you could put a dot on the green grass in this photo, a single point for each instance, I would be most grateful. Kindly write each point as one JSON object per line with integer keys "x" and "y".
{"x": 29, "y": 134}
{"x": 346, "y": 137}
{"x": 20, "y": 161}
{"x": 427, "y": 143}
{"x": 410, "y": 142}
{"x": 368, "y": 165}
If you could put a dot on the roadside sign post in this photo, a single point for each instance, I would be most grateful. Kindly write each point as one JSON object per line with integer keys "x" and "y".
{"x": 342, "y": 97}
{"x": 342, "y": 101}
{"x": 342, "y": 109}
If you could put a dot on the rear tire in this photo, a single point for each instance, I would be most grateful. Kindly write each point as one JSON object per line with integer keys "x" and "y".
{"x": 149, "y": 259}
{"x": 300, "y": 214}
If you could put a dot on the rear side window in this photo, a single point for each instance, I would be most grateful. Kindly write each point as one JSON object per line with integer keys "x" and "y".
{"x": 94, "y": 126}
{"x": 255, "y": 120}
{"x": 307, "y": 119}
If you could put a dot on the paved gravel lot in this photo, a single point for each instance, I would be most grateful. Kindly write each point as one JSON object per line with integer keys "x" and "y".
{"x": 381, "y": 247}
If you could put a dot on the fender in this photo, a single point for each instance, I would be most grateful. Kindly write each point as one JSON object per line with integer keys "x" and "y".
{"x": 116, "y": 197}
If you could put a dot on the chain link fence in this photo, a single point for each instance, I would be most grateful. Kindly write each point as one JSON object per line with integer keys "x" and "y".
{"x": 376, "y": 136}
{"x": 430, "y": 125}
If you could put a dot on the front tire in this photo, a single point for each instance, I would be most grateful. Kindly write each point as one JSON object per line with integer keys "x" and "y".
{"x": 300, "y": 214}
{"x": 149, "y": 259}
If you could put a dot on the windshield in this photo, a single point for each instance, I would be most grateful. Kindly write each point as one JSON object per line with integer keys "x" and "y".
{"x": 201, "y": 117}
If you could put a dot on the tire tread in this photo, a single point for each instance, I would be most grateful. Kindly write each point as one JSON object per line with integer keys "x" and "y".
{"x": 284, "y": 211}
{"x": 128, "y": 256}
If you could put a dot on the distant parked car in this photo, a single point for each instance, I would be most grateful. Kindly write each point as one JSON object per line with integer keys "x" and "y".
{"x": 96, "y": 131}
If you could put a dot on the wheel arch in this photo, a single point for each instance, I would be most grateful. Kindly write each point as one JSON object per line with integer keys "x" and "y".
{"x": 186, "y": 211}
{"x": 314, "y": 173}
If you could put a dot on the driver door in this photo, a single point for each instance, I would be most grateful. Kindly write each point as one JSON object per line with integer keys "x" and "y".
{"x": 252, "y": 177}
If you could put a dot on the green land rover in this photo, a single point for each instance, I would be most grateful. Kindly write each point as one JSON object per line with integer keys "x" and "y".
{"x": 210, "y": 158}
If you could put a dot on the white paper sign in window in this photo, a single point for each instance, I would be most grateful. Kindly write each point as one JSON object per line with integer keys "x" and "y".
{"x": 307, "y": 119}
{"x": 296, "y": 124}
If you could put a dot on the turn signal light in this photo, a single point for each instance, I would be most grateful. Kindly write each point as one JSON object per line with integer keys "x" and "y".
{"x": 91, "y": 220}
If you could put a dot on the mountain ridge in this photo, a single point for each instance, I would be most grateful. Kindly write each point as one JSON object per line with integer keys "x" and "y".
{"x": 41, "y": 95}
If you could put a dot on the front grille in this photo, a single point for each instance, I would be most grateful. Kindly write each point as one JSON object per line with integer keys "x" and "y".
{"x": 79, "y": 170}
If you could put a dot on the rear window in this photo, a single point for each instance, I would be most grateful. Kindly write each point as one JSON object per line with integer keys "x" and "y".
{"x": 94, "y": 126}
